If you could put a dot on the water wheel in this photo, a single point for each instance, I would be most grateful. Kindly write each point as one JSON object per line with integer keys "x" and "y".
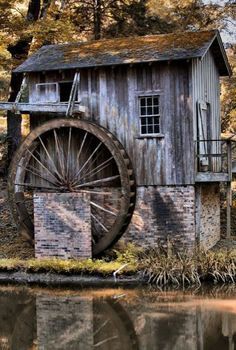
{"x": 70, "y": 155}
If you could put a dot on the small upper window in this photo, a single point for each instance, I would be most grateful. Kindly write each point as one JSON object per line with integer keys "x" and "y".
{"x": 47, "y": 92}
{"x": 149, "y": 113}
{"x": 65, "y": 90}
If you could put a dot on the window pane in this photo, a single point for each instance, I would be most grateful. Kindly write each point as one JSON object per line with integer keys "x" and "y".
{"x": 149, "y": 111}
{"x": 143, "y": 121}
{"x": 156, "y": 120}
{"x": 143, "y": 129}
{"x": 149, "y": 120}
{"x": 149, "y": 101}
{"x": 155, "y": 110}
{"x": 142, "y": 101}
{"x": 156, "y": 100}
{"x": 156, "y": 129}
{"x": 143, "y": 110}
{"x": 150, "y": 129}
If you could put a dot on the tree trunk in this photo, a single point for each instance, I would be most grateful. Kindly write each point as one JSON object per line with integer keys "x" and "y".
{"x": 97, "y": 19}
{"x": 19, "y": 52}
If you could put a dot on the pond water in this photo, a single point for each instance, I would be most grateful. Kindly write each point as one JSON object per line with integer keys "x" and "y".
{"x": 127, "y": 319}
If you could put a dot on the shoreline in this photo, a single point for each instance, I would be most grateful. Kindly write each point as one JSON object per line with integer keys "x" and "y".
{"x": 55, "y": 279}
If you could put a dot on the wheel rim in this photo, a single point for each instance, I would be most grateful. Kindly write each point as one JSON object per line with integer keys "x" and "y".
{"x": 69, "y": 155}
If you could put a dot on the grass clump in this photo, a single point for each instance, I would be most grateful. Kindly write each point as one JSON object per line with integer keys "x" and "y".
{"x": 180, "y": 269}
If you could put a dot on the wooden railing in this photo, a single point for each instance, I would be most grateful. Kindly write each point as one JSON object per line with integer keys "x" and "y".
{"x": 215, "y": 156}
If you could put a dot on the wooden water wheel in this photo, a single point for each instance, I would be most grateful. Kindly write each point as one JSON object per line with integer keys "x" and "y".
{"x": 70, "y": 155}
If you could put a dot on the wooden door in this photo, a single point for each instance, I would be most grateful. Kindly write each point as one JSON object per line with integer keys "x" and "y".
{"x": 204, "y": 135}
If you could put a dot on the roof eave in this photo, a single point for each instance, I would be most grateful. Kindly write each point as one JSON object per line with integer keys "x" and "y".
{"x": 184, "y": 58}
{"x": 228, "y": 70}
{"x": 222, "y": 49}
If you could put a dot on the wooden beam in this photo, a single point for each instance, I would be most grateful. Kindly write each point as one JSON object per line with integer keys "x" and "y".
{"x": 41, "y": 107}
{"x": 211, "y": 177}
{"x": 198, "y": 194}
{"x": 23, "y": 85}
{"x": 74, "y": 89}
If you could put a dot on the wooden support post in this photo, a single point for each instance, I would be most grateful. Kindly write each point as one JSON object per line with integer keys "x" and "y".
{"x": 198, "y": 209}
{"x": 18, "y": 96}
{"x": 229, "y": 189}
{"x": 229, "y": 204}
{"x": 72, "y": 97}
{"x": 229, "y": 159}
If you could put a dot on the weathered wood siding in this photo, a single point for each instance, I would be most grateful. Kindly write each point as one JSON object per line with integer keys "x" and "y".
{"x": 111, "y": 97}
{"x": 206, "y": 87}
{"x": 206, "y": 90}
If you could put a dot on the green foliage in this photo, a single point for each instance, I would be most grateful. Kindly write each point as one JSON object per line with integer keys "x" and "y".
{"x": 127, "y": 253}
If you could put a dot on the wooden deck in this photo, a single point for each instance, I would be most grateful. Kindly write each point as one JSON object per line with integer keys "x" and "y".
{"x": 217, "y": 157}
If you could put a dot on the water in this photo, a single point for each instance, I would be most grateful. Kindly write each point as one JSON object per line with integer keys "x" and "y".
{"x": 125, "y": 319}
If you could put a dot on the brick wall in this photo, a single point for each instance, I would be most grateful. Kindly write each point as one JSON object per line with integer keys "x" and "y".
{"x": 62, "y": 225}
{"x": 164, "y": 213}
{"x": 208, "y": 214}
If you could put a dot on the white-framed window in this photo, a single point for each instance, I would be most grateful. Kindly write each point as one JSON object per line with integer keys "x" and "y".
{"x": 149, "y": 114}
{"x": 47, "y": 92}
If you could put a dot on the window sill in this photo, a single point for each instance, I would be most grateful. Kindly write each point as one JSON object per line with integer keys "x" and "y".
{"x": 154, "y": 136}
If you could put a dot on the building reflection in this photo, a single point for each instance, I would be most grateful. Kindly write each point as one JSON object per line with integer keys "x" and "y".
{"x": 59, "y": 320}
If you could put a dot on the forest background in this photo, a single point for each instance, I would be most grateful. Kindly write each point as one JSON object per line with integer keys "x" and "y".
{"x": 26, "y": 25}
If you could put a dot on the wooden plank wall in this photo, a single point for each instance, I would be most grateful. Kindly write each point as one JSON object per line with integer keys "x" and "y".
{"x": 111, "y": 97}
{"x": 206, "y": 87}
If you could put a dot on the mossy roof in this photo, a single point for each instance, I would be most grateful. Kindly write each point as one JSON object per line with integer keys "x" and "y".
{"x": 131, "y": 50}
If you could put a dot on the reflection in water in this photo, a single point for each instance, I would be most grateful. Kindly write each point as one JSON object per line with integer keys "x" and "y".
{"x": 17, "y": 320}
{"x": 127, "y": 320}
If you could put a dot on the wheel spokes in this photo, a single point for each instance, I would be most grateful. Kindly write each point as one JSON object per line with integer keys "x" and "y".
{"x": 96, "y": 182}
{"x": 68, "y": 154}
{"x": 69, "y": 160}
{"x": 99, "y": 222}
{"x": 50, "y": 158}
{"x": 102, "y": 208}
{"x": 97, "y": 169}
{"x": 60, "y": 153}
{"x": 36, "y": 173}
{"x": 33, "y": 186}
{"x": 87, "y": 161}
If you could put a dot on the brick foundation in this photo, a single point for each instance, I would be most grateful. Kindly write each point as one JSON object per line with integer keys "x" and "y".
{"x": 208, "y": 214}
{"x": 62, "y": 225}
{"x": 164, "y": 213}
{"x": 184, "y": 215}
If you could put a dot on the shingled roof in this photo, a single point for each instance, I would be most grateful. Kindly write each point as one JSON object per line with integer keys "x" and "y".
{"x": 151, "y": 48}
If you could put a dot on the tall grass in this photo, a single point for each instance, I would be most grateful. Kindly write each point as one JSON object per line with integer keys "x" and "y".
{"x": 181, "y": 269}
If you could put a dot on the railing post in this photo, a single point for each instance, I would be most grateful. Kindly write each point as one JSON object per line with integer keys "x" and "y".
{"x": 229, "y": 159}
